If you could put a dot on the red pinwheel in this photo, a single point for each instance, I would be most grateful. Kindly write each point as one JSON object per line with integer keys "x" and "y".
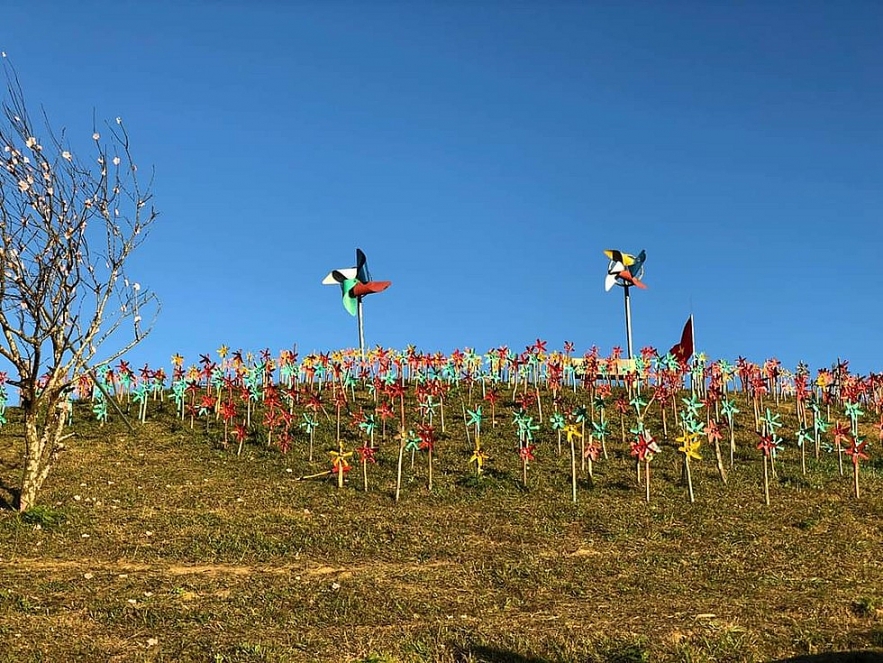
{"x": 644, "y": 447}
{"x": 766, "y": 444}
{"x": 840, "y": 433}
{"x": 492, "y": 396}
{"x": 367, "y": 454}
{"x": 240, "y": 432}
{"x": 857, "y": 450}
{"x": 426, "y": 434}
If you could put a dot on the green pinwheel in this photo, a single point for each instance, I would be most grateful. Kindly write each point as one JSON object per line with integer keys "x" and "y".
{"x": 474, "y": 418}
{"x": 99, "y": 409}
{"x": 692, "y": 405}
{"x": 558, "y": 423}
{"x": 804, "y": 436}
{"x": 638, "y": 403}
{"x": 728, "y": 407}
{"x": 772, "y": 422}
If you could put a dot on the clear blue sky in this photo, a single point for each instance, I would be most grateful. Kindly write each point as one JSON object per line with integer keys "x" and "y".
{"x": 483, "y": 155}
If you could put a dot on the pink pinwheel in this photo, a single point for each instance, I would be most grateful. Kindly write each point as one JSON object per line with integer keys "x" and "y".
{"x": 366, "y": 455}
{"x": 857, "y": 450}
{"x": 767, "y": 445}
{"x": 644, "y": 448}
{"x": 713, "y": 433}
{"x": 525, "y": 453}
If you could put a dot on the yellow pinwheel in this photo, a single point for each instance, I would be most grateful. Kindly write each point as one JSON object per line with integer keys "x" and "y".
{"x": 690, "y": 443}
{"x": 690, "y": 448}
{"x": 572, "y": 431}
{"x": 339, "y": 462}
{"x": 478, "y": 457}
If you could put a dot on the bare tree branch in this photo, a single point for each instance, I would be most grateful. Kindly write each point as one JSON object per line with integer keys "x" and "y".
{"x": 70, "y": 218}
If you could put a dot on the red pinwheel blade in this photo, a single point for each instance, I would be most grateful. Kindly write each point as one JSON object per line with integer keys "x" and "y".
{"x": 361, "y": 289}
{"x": 627, "y": 275}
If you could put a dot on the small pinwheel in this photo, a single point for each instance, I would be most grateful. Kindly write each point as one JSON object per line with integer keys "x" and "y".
{"x": 99, "y": 409}
{"x": 840, "y": 434}
{"x": 729, "y": 409}
{"x": 573, "y": 432}
{"x": 772, "y": 422}
{"x": 368, "y": 425}
{"x": 309, "y": 424}
{"x": 804, "y": 436}
{"x": 713, "y": 433}
{"x": 692, "y": 406}
{"x": 479, "y": 457}
{"x": 340, "y": 464}
{"x": 526, "y": 429}
{"x": 690, "y": 448}
{"x": 644, "y": 448}
{"x": 767, "y": 445}
{"x": 857, "y": 450}
{"x": 474, "y": 418}
{"x": 525, "y": 453}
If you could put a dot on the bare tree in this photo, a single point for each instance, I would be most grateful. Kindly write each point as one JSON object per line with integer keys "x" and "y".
{"x": 69, "y": 222}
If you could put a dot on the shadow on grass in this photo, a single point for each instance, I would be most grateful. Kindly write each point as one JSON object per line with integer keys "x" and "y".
{"x": 9, "y": 501}
{"x": 837, "y": 657}
{"x": 493, "y": 655}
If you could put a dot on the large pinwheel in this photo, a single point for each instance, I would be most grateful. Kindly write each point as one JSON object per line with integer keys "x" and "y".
{"x": 355, "y": 283}
{"x": 625, "y": 270}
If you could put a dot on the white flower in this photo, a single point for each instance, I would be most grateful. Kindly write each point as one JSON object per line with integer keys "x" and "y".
{"x": 96, "y": 136}
{"x": 119, "y": 120}
{"x": 136, "y": 287}
{"x": 23, "y": 186}
{"x": 66, "y": 155}
{"x": 116, "y": 161}
{"x": 31, "y": 141}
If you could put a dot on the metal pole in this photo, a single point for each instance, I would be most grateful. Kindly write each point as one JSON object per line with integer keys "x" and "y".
{"x": 361, "y": 328}
{"x": 628, "y": 322}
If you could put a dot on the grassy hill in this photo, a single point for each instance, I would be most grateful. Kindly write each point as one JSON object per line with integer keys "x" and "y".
{"x": 163, "y": 545}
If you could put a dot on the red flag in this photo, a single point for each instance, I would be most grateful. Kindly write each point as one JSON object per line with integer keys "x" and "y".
{"x": 684, "y": 350}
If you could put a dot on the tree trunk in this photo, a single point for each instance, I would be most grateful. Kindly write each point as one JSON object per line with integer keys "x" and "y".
{"x": 42, "y": 444}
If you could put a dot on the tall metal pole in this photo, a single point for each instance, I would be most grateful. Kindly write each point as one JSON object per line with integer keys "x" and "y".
{"x": 361, "y": 328}
{"x": 628, "y": 321}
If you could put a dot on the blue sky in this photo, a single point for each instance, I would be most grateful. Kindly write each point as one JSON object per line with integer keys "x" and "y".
{"x": 483, "y": 155}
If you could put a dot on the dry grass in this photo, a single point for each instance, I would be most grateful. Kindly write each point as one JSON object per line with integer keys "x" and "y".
{"x": 163, "y": 546}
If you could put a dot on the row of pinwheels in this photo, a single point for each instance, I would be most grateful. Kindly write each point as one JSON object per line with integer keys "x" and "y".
{"x": 409, "y": 396}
